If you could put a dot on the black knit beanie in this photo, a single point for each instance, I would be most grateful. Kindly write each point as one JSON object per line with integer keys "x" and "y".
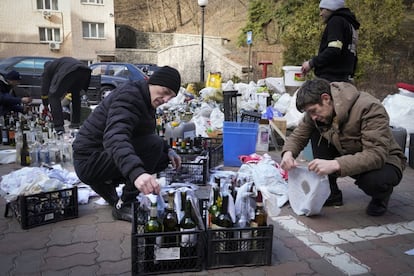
{"x": 168, "y": 77}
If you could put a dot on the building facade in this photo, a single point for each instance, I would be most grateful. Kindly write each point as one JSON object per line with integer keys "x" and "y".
{"x": 83, "y": 29}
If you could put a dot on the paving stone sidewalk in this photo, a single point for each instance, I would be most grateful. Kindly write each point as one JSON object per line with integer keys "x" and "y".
{"x": 339, "y": 241}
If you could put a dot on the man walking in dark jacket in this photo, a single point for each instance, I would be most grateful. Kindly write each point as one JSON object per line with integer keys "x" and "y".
{"x": 337, "y": 56}
{"x": 62, "y": 76}
{"x": 117, "y": 142}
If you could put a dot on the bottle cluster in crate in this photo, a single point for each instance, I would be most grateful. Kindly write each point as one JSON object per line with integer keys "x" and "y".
{"x": 35, "y": 140}
{"x": 171, "y": 230}
{"x": 236, "y": 203}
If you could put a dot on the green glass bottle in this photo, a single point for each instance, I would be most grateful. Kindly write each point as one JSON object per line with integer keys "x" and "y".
{"x": 188, "y": 240}
{"x": 188, "y": 224}
{"x": 213, "y": 210}
{"x": 170, "y": 222}
{"x": 152, "y": 242}
{"x": 222, "y": 222}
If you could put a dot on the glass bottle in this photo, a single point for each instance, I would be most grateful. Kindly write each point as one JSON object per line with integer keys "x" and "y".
{"x": 260, "y": 216}
{"x": 19, "y": 141}
{"x": 260, "y": 220}
{"x": 12, "y": 132}
{"x": 213, "y": 210}
{"x": 152, "y": 242}
{"x": 243, "y": 222}
{"x": 170, "y": 222}
{"x": 223, "y": 221}
{"x": 188, "y": 224}
{"x": 5, "y": 131}
{"x": 24, "y": 152}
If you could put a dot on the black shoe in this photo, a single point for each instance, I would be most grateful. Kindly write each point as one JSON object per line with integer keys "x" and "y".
{"x": 334, "y": 199}
{"x": 378, "y": 207}
{"x": 122, "y": 211}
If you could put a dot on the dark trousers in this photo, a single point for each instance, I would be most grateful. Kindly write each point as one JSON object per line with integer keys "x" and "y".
{"x": 73, "y": 83}
{"x": 101, "y": 174}
{"x": 375, "y": 183}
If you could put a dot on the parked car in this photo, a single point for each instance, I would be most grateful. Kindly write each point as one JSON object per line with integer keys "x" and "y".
{"x": 147, "y": 68}
{"x": 116, "y": 73}
{"x": 31, "y": 70}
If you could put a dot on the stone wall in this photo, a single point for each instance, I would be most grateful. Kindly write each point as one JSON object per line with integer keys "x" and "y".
{"x": 183, "y": 52}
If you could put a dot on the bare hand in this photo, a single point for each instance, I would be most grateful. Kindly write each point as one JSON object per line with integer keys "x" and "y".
{"x": 175, "y": 158}
{"x": 323, "y": 167}
{"x": 288, "y": 162}
{"x": 306, "y": 67}
{"x": 147, "y": 184}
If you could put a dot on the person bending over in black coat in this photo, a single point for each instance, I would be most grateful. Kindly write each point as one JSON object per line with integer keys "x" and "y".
{"x": 117, "y": 142}
{"x": 62, "y": 76}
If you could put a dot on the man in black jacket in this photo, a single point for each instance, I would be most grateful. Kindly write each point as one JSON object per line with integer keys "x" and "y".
{"x": 117, "y": 142}
{"x": 9, "y": 102}
{"x": 62, "y": 76}
{"x": 337, "y": 56}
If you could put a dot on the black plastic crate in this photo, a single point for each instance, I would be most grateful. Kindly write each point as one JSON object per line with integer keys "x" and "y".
{"x": 250, "y": 116}
{"x": 214, "y": 148}
{"x": 190, "y": 171}
{"x": 230, "y": 105}
{"x": 230, "y": 247}
{"x": 160, "y": 253}
{"x": 44, "y": 208}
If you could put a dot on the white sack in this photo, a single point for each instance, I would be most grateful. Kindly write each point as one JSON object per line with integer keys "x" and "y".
{"x": 307, "y": 191}
{"x": 400, "y": 108}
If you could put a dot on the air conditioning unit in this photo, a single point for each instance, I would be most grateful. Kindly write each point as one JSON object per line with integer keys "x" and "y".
{"x": 47, "y": 14}
{"x": 54, "y": 45}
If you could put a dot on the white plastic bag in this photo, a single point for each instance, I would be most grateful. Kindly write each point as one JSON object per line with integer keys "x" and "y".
{"x": 307, "y": 191}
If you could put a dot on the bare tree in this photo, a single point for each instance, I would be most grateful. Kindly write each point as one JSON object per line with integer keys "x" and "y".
{"x": 150, "y": 16}
{"x": 179, "y": 16}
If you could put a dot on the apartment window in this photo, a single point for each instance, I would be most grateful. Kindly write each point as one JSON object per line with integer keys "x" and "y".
{"x": 49, "y": 34}
{"x": 93, "y": 30}
{"x": 47, "y": 4}
{"x": 92, "y": 2}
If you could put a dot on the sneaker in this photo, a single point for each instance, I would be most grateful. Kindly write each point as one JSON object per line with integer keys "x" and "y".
{"x": 122, "y": 211}
{"x": 334, "y": 199}
{"x": 378, "y": 207}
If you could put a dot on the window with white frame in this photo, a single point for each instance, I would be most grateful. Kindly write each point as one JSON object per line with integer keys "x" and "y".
{"x": 47, "y": 5}
{"x": 93, "y": 30}
{"x": 92, "y": 2}
{"x": 49, "y": 34}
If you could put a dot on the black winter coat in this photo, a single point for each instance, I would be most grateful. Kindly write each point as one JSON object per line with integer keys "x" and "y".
{"x": 125, "y": 114}
{"x": 55, "y": 71}
{"x": 332, "y": 63}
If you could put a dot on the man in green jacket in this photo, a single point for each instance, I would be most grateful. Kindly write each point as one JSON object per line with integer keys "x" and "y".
{"x": 355, "y": 140}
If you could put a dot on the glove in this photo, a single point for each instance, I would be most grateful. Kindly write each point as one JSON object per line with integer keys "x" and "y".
{"x": 175, "y": 158}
